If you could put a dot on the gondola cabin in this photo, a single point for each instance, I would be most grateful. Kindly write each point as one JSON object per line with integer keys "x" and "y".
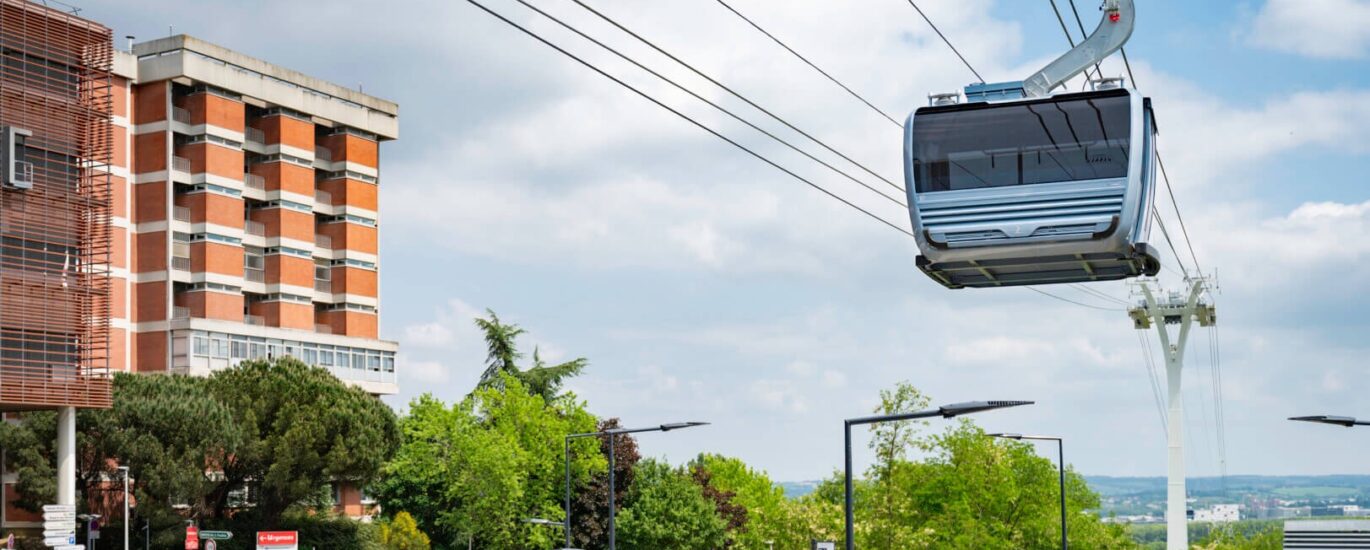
{"x": 1006, "y": 191}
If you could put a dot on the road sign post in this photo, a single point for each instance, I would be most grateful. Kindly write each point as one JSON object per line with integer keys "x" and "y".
{"x": 59, "y": 527}
{"x": 216, "y": 535}
{"x": 192, "y": 537}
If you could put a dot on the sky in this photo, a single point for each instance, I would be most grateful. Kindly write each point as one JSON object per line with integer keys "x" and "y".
{"x": 702, "y": 284}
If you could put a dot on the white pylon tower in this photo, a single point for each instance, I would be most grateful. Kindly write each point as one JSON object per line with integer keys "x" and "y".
{"x": 1161, "y": 309}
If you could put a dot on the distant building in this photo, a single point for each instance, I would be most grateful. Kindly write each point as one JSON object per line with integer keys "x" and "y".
{"x": 1219, "y": 513}
{"x": 1326, "y": 534}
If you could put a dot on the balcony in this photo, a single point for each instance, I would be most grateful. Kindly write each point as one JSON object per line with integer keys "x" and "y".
{"x": 254, "y": 135}
{"x": 253, "y": 275}
{"x": 254, "y": 320}
{"x": 323, "y": 197}
{"x": 180, "y": 312}
{"x": 253, "y": 181}
{"x": 180, "y": 164}
{"x": 323, "y": 329}
{"x": 323, "y": 154}
{"x": 180, "y": 213}
{"x": 180, "y": 115}
{"x": 323, "y": 285}
{"x": 254, "y": 228}
{"x": 180, "y": 263}
{"x": 323, "y": 241}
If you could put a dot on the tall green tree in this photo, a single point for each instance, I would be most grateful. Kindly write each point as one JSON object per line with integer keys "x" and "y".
{"x": 478, "y": 469}
{"x": 303, "y": 429}
{"x": 171, "y": 431}
{"x": 503, "y": 356}
{"x": 667, "y": 509}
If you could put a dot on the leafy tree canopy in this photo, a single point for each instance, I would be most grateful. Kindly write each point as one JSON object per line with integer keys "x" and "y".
{"x": 667, "y": 509}
{"x": 541, "y": 379}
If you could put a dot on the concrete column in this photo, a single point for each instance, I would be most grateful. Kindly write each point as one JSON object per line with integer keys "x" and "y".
{"x": 66, "y": 456}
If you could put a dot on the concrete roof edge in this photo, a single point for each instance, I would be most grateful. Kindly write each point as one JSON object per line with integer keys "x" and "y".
{"x": 187, "y": 42}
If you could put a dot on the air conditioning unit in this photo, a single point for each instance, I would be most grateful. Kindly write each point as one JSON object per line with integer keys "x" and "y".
{"x": 17, "y": 174}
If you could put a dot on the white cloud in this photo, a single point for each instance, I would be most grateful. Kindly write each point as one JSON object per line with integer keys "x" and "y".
{"x": 1334, "y": 29}
{"x": 431, "y": 372}
{"x": 427, "y": 335}
{"x": 779, "y": 395}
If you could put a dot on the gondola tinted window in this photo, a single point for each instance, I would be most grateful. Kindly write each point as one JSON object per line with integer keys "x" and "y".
{"x": 1060, "y": 139}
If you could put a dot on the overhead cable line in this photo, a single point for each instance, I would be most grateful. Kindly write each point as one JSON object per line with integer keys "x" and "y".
{"x": 1154, "y": 378}
{"x": 648, "y": 97}
{"x": 1068, "y": 300}
{"x": 810, "y": 63}
{"x": 734, "y": 93}
{"x": 944, "y": 39}
{"x": 1083, "y": 35}
{"x": 1165, "y": 178}
{"x": 711, "y": 103}
{"x": 1166, "y": 233}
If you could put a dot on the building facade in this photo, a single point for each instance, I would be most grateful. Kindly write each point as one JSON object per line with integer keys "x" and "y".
{"x": 178, "y": 208}
{"x": 249, "y": 215}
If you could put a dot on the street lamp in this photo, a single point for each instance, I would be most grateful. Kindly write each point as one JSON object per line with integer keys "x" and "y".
{"x": 945, "y": 411}
{"x": 1061, "y": 456}
{"x": 124, "y": 470}
{"x": 611, "y": 433}
{"x": 1345, "y": 421}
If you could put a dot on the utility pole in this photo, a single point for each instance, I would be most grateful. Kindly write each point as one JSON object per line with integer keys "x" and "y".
{"x": 1160, "y": 309}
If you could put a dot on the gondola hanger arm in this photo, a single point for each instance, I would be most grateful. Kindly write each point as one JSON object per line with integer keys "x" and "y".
{"x": 1115, "y": 27}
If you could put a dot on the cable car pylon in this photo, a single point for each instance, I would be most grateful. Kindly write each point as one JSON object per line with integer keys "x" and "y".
{"x": 1160, "y": 309}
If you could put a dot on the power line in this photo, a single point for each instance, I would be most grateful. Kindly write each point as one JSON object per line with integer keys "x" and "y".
{"x": 1099, "y": 294}
{"x": 734, "y": 93}
{"x": 648, "y": 97}
{"x": 1154, "y": 379}
{"x": 810, "y": 63}
{"x": 944, "y": 39}
{"x": 710, "y": 103}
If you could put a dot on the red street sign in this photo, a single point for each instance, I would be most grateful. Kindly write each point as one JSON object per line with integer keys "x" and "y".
{"x": 192, "y": 538}
{"x": 278, "y": 539}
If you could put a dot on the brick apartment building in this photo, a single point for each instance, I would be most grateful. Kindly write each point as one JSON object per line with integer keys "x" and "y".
{"x": 188, "y": 207}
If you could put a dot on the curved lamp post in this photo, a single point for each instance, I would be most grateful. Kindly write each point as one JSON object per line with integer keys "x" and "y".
{"x": 1061, "y": 456}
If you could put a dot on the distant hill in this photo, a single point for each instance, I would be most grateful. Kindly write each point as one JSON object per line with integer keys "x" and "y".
{"x": 1293, "y": 486}
{"x": 1111, "y": 486}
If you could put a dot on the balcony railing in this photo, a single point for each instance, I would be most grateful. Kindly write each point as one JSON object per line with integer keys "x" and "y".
{"x": 54, "y": 386}
{"x": 254, "y": 228}
{"x": 323, "y": 241}
{"x": 323, "y": 197}
{"x": 180, "y": 249}
{"x": 323, "y": 329}
{"x": 323, "y": 153}
{"x": 180, "y": 213}
{"x": 323, "y": 285}
{"x": 255, "y": 320}
{"x": 253, "y": 181}
{"x": 180, "y": 163}
{"x": 180, "y": 263}
{"x": 253, "y": 275}
{"x": 180, "y": 312}
{"x": 254, "y": 135}
{"x": 180, "y": 115}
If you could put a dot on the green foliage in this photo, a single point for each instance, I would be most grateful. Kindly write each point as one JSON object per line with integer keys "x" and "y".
{"x": 481, "y": 467}
{"x": 303, "y": 429}
{"x": 770, "y": 516}
{"x": 402, "y": 533}
{"x": 1239, "y": 537}
{"x": 667, "y": 509}
{"x": 541, "y": 379}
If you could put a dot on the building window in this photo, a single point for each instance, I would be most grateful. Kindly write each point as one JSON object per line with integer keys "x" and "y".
{"x": 325, "y": 358}
{"x": 220, "y": 348}
{"x": 239, "y": 350}
{"x": 358, "y": 361}
{"x": 257, "y": 350}
{"x": 311, "y": 356}
{"x": 200, "y": 346}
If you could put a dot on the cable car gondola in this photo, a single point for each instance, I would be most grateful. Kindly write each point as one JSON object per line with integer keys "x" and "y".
{"x": 1018, "y": 187}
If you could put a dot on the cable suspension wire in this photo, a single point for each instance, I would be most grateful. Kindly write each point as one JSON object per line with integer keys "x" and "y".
{"x": 1153, "y": 378}
{"x": 678, "y": 86}
{"x": 810, "y": 63}
{"x": 1068, "y": 300}
{"x": 1069, "y": 39}
{"x": 948, "y": 42}
{"x": 1083, "y": 35}
{"x": 1099, "y": 294}
{"x": 687, "y": 118}
{"x": 1166, "y": 234}
{"x": 1164, "y": 177}
{"x": 733, "y": 92}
